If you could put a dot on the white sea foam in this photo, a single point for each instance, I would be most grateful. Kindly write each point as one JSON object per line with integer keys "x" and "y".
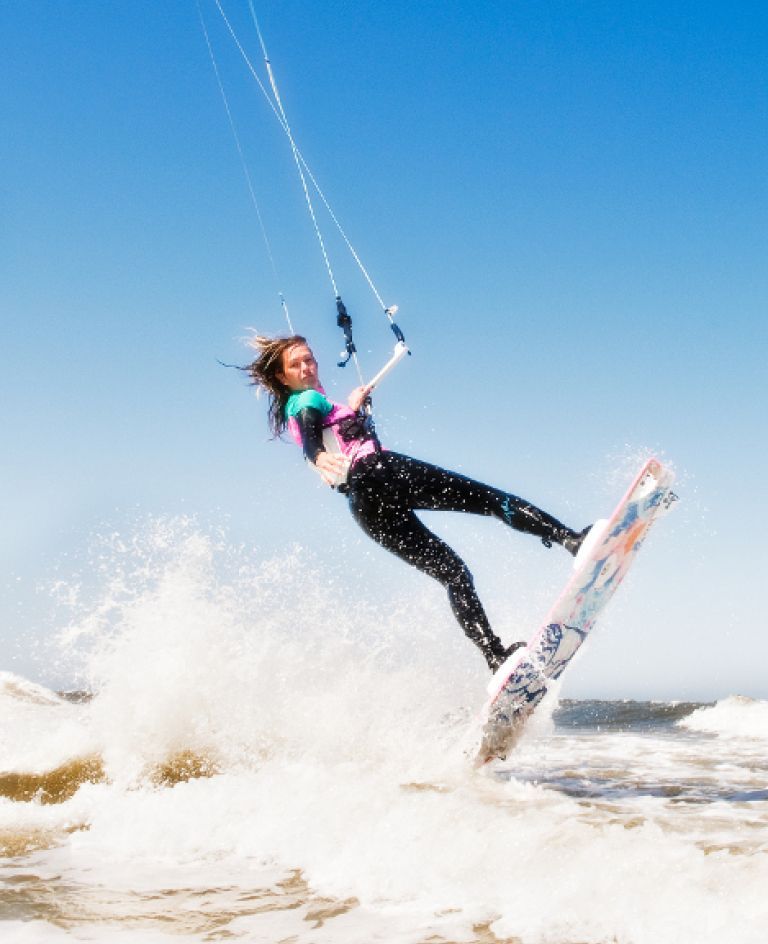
{"x": 336, "y": 735}
{"x": 14, "y": 688}
{"x": 39, "y": 729}
{"x": 736, "y": 716}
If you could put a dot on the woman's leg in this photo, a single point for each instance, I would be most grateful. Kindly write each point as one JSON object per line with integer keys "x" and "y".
{"x": 401, "y": 532}
{"x": 426, "y": 487}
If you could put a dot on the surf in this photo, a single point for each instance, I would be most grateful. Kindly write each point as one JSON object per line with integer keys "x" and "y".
{"x": 248, "y": 742}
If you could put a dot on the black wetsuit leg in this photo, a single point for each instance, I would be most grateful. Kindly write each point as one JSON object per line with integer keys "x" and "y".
{"x": 385, "y": 490}
{"x": 427, "y": 487}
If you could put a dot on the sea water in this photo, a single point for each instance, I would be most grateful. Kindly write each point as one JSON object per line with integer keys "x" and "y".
{"x": 247, "y": 760}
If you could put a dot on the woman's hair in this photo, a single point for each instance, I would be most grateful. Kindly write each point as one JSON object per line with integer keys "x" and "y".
{"x": 264, "y": 370}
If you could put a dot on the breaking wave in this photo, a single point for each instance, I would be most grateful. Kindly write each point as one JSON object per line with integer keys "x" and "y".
{"x": 736, "y": 716}
{"x": 294, "y": 767}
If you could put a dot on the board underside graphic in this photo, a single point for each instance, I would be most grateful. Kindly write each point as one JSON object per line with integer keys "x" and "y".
{"x": 521, "y": 683}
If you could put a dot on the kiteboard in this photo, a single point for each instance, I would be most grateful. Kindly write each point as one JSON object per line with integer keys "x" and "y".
{"x": 602, "y": 562}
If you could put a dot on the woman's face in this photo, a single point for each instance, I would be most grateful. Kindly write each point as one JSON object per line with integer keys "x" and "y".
{"x": 299, "y": 369}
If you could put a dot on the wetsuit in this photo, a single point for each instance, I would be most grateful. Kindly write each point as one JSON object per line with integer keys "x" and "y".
{"x": 386, "y": 489}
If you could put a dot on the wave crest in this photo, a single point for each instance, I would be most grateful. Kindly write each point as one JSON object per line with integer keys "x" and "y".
{"x": 735, "y": 716}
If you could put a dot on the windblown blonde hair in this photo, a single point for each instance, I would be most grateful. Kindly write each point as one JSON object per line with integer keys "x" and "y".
{"x": 263, "y": 371}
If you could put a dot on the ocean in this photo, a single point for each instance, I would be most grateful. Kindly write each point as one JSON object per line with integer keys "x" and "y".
{"x": 233, "y": 768}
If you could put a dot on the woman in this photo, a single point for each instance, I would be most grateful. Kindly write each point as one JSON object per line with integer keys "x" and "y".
{"x": 385, "y": 489}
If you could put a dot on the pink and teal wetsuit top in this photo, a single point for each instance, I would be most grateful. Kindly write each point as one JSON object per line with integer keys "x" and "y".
{"x": 315, "y": 422}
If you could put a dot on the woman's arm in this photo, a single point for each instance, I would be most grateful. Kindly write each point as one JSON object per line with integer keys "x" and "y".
{"x": 310, "y": 423}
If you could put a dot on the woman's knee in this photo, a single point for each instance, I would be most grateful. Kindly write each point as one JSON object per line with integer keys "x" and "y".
{"x": 457, "y": 577}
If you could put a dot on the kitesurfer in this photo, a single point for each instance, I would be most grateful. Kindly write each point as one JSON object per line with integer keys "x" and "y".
{"x": 385, "y": 489}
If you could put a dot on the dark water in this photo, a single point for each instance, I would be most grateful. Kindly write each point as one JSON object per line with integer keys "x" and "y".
{"x": 627, "y": 716}
{"x": 626, "y": 751}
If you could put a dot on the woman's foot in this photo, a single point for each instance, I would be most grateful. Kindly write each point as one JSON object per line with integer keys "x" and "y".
{"x": 500, "y": 656}
{"x": 574, "y": 539}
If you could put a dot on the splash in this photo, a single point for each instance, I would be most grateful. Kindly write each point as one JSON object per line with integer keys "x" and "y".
{"x": 285, "y": 765}
{"x": 736, "y": 716}
{"x": 192, "y": 647}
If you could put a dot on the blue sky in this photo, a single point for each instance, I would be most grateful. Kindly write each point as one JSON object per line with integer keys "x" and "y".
{"x": 567, "y": 201}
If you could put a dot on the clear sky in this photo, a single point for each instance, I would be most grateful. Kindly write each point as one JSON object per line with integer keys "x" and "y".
{"x": 569, "y": 203}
